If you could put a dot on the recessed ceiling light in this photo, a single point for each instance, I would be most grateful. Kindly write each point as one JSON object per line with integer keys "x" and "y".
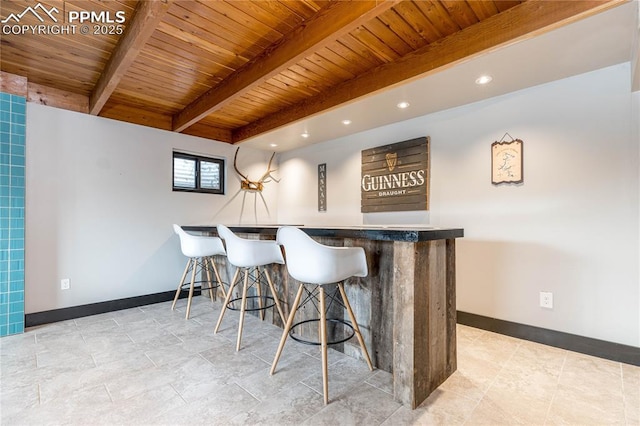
{"x": 305, "y": 135}
{"x": 403, "y": 105}
{"x": 484, "y": 79}
{"x": 273, "y": 145}
{"x": 346, "y": 122}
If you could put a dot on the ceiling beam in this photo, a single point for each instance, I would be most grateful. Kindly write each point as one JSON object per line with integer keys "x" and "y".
{"x": 144, "y": 22}
{"x": 527, "y": 20}
{"x": 13, "y": 84}
{"x": 50, "y": 96}
{"x": 329, "y": 24}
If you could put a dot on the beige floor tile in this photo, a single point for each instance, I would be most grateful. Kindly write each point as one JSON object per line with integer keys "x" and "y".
{"x": 473, "y": 377}
{"x": 141, "y": 409}
{"x": 489, "y": 412}
{"x": 66, "y": 409}
{"x": 441, "y": 408}
{"x": 344, "y": 376}
{"x": 216, "y": 406}
{"x": 381, "y": 380}
{"x": 494, "y": 347}
{"x": 129, "y": 385}
{"x": 290, "y": 406}
{"x": 11, "y": 363}
{"x": 631, "y": 393}
{"x": 523, "y": 402}
{"x": 583, "y": 406}
{"x": 362, "y": 405}
{"x": 291, "y": 369}
{"x": 17, "y": 397}
{"x": 468, "y": 334}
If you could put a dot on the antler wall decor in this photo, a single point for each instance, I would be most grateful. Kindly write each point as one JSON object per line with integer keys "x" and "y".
{"x": 251, "y": 186}
{"x": 254, "y": 186}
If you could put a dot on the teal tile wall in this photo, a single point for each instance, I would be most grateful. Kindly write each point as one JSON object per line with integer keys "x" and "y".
{"x": 12, "y": 185}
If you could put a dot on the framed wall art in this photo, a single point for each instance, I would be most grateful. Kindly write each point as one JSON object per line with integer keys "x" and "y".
{"x": 506, "y": 162}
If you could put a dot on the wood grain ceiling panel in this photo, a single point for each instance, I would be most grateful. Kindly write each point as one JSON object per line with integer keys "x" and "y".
{"x": 414, "y": 17}
{"x": 437, "y": 15}
{"x": 221, "y": 23}
{"x": 232, "y": 69}
{"x": 70, "y": 62}
{"x": 460, "y": 12}
{"x": 402, "y": 29}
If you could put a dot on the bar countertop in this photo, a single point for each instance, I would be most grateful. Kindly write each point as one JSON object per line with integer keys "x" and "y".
{"x": 370, "y": 232}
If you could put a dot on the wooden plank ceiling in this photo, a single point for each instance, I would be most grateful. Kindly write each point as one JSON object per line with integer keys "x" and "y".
{"x": 231, "y": 70}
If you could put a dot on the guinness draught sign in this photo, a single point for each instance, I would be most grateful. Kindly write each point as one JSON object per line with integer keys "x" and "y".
{"x": 396, "y": 177}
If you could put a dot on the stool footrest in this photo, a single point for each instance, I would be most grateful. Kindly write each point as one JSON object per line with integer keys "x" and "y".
{"x": 187, "y": 284}
{"x": 316, "y": 343}
{"x": 266, "y": 298}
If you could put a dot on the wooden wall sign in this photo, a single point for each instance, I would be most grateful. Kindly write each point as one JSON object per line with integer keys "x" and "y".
{"x": 322, "y": 187}
{"x": 396, "y": 177}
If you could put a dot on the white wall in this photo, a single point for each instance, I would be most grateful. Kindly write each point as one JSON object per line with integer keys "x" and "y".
{"x": 571, "y": 228}
{"x": 99, "y": 207}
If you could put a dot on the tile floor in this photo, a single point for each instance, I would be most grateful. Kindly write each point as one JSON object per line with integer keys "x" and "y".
{"x": 149, "y": 366}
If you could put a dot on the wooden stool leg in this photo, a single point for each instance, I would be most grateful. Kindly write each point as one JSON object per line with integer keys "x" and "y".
{"x": 259, "y": 291}
{"x": 184, "y": 275}
{"x": 193, "y": 282}
{"x": 354, "y": 323}
{"x": 226, "y": 300}
{"x": 217, "y": 274}
{"x": 287, "y": 327}
{"x": 274, "y": 294}
{"x": 243, "y": 306}
{"x": 205, "y": 265}
{"x": 323, "y": 337}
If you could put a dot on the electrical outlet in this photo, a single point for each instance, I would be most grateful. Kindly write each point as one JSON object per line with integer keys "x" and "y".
{"x": 64, "y": 284}
{"x": 546, "y": 299}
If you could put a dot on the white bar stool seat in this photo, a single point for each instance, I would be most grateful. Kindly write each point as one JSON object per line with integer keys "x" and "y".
{"x": 200, "y": 251}
{"x": 317, "y": 265}
{"x": 249, "y": 256}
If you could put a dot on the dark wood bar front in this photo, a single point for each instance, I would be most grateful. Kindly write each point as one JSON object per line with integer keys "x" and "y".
{"x": 406, "y": 306}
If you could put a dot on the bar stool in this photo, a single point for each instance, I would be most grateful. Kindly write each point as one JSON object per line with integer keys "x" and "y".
{"x": 249, "y": 256}
{"x": 200, "y": 251}
{"x": 317, "y": 265}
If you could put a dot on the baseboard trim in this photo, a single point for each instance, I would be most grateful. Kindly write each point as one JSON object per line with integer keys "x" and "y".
{"x": 586, "y": 345}
{"x": 558, "y": 339}
{"x": 63, "y": 314}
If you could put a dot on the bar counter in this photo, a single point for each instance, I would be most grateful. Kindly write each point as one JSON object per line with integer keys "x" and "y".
{"x": 406, "y": 306}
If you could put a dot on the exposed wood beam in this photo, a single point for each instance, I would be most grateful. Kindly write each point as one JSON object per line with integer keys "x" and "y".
{"x": 209, "y": 132}
{"x": 521, "y": 22}
{"x": 57, "y": 98}
{"x": 13, "y": 84}
{"x": 42, "y": 95}
{"x": 329, "y": 24}
{"x": 144, "y": 22}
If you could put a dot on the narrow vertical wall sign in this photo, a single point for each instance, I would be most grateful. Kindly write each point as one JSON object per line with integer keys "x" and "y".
{"x": 322, "y": 187}
{"x": 396, "y": 177}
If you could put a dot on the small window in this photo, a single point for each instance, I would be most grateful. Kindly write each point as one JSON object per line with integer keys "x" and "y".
{"x": 198, "y": 174}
